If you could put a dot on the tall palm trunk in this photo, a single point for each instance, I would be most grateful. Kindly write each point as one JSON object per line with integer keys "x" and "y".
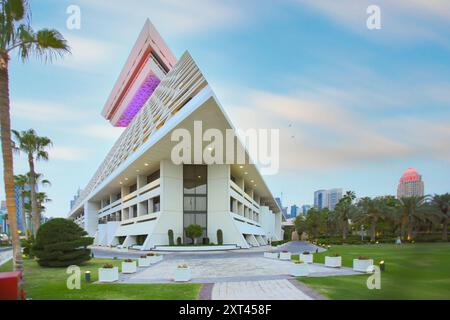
{"x": 403, "y": 227}
{"x": 410, "y": 228}
{"x": 35, "y": 214}
{"x": 445, "y": 228}
{"x": 8, "y": 167}
{"x": 344, "y": 230}
{"x": 373, "y": 232}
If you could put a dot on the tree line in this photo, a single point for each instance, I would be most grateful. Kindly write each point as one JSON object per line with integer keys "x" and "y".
{"x": 379, "y": 216}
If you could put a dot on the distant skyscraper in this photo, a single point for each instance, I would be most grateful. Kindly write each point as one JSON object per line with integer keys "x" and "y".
{"x": 305, "y": 209}
{"x": 320, "y": 199}
{"x": 294, "y": 211}
{"x": 334, "y": 195}
{"x": 410, "y": 184}
{"x": 19, "y": 209}
{"x": 3, "y": 222}
{"x": 327, "y": 198}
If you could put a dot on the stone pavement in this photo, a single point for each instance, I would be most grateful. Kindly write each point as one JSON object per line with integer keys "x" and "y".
{"x": 258, "y": 290}
{"x": 227, "y": 270}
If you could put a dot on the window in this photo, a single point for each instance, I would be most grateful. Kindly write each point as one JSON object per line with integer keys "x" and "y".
{"x": 195, "y": 197}
{"x": 133, "y": 188}
{"x": 152, "y": 177}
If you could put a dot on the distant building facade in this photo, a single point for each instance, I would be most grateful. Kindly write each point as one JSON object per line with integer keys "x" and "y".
{"x": 295, "y": 210}
{"x": 305, "y": 209}
{"x": 327, "y": 198}
{"x": 410, "y": 184}
{"x": 4, "y": 227}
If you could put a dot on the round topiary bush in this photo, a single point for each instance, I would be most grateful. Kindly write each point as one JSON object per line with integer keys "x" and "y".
{"x": 61, "y": 243}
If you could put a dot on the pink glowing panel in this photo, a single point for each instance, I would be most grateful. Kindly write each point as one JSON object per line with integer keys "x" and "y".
{"x": 143, "y": 94}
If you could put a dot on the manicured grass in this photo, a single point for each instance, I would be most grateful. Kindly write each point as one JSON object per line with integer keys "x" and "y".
{"x": 413, "y": 271}
{"x": 50, "y": 284}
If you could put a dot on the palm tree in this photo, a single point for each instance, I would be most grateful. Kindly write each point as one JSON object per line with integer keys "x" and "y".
{"x": 16, "y": 34}
{"x": 26, "y": 195}
{"x": 442, "y": 203}
{"x": 21, "y": 181}
{"x": 35, "y": 147}
{"x": 41, "y": 198}
{"x": 413, "y": 209}
{"x": 372, "y": 211}
{"x": 344, "y": 211}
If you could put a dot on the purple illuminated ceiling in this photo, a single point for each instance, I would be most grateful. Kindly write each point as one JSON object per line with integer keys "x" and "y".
{"x": 140, "y": 98}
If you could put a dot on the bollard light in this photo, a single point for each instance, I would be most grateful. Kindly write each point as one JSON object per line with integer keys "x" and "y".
{"x": 382, "y": 265}
{"x": 87, "y": 276}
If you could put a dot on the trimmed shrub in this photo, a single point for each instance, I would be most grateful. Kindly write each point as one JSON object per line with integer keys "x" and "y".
{"x": 194, "y": 231}
{"x": 179, "y": 243}
{"x": 61, "y": 243}
{"x": 206, "y": 241}
{"x": 220, "y": 237}
{"x": 170, "y": 234}
{"x": 27, "y": 245}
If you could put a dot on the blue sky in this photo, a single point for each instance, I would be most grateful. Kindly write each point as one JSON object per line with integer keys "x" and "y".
{"x": 355, "y": 107}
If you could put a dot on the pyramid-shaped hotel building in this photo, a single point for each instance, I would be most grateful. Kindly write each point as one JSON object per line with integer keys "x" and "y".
{"x": 138, "y": 193}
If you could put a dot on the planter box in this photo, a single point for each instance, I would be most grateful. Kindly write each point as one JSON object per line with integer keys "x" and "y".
{"x": 365, "y": 266}
{"x": 333, "y": 262}
{"x": 182, "y": 274}
{"x": 285, "y": 256}
{"x": 271, "y": 255}
{"x": 108, "y": 275}
{"x": 307, "y": 258}
{"x": 154, "y": 259}
{"x": 144, "y": 262}
{"x": 299, "y": 270}
{"x": 129, "y": 267}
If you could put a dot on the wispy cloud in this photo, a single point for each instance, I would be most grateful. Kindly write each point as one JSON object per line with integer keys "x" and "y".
{"x": 86, "y": 53}
{"x": 102, "y": 131}
{"x": 401, "y": 20}
{"x": 44, "y": 111}
{"x": 322, "y": 135}
{"x": 68, "y": 153}
{"x": 176, "y": 17}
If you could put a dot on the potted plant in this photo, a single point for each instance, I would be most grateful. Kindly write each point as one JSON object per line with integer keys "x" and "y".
{"x": 129, "y": 266}
{"x": 306, "y": 257}
{"x": 363, "y": 264}
{"x": 108, "y": 273}
{"x": 271, "y": 255}
{"x": 299, "y": 269}
{"x": 144, "y": 261}
{"x": 183, "y": 273}
{"x": 285, "y": 255}
{"x": 333, "y": 261}
{"x": 154, "y": 257}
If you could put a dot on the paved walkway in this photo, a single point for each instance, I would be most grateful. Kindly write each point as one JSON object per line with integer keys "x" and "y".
{"x": 227, "y": 270}
{"x": 258, "y": 290}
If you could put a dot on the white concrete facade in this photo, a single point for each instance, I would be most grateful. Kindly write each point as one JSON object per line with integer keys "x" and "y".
{"x": 138, "y": 194}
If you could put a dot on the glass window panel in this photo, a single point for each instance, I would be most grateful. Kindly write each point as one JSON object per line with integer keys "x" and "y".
{"x": 200, "y": 204}
{"x": 189, "y": 203}
{"x": 189, "y": 219}
{"x": 200, "y": 219}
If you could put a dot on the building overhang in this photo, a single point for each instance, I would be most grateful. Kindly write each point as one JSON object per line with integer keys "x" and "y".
{"x": 205, "y": 108}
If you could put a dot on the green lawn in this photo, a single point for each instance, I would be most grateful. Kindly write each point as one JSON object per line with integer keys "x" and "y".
{"x": 50, "y": 284}
{"x": 413, "y": 271}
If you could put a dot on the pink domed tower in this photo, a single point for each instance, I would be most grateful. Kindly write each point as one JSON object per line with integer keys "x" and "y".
{"x": 410, "y": 185}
